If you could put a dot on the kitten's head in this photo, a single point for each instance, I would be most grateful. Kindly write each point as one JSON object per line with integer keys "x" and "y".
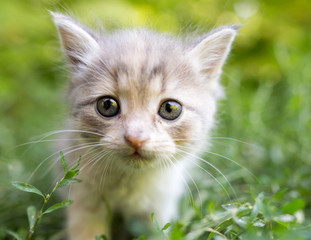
{"x": 149, "y": 96}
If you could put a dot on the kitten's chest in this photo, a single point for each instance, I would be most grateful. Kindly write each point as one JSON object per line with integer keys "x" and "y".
{"x": 123, "y": 189}
{"x": 147, "y": 192}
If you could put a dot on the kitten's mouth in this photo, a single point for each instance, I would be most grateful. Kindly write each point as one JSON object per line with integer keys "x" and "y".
{"x": 136, "y": 154}
{"x": 139, "y": 158}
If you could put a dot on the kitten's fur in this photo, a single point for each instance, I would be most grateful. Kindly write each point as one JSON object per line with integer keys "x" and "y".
{"x": 140, "y": 69}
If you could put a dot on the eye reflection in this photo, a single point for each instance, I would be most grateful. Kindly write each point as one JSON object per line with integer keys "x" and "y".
{"x": 170, "y": 110}
{"x": 107, "y": 107}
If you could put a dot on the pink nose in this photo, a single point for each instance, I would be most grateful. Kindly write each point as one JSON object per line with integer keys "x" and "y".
{"x": 135, "y": 141}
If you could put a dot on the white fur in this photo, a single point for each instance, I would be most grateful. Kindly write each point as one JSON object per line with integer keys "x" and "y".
{"x": 190, "y": 75}
{"x": 210, "y": 54}
{"x": 82, "y": 43}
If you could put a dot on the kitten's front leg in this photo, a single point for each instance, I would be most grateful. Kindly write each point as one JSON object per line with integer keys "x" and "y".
{"x": 87, "y": 216}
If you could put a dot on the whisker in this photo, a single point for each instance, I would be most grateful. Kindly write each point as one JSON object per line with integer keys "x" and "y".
{"x": 88, "y": 163}
{"x": 231, "y": 160}
{"x": 165, "y": 166}
{"x": 84, "y": 147}
{"x": 47, "y": 140}
{"x": 221, "y": 138}
{"x": 92, "y": 146}
{"x": 211, "y": 175}
{"x": 183, "y": 179}
{"x": 193, "y": 181}
{"x": 105, "y": 171}
{"x": 95, "y": 161}
{"x": 55, "y": 153}
{"x": 72, "y": 131}
{"x": 239, "y": 141}
{"x": 161, "y": 163}
{"x": 92, "y": 158}
{"x": 44, "y": 136}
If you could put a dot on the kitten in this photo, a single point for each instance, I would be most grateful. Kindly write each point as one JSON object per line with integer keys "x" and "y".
{"x": 143, "y": 104}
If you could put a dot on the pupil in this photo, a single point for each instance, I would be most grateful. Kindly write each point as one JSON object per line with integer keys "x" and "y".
{"x": 168, "y": 107}
{"x": 107, "y": 104}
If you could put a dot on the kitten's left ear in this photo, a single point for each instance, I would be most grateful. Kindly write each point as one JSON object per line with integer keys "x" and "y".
{"x": 79, "y": 43}
{"x": 210, "y": 51}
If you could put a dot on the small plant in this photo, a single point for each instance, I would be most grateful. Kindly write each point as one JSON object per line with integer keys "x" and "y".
{"x": 101, "y": 237}
{"x": 158, "y": 228}
{"x": 34, "y": 216}
{"x": 263, "y": 219}
{"x": 158, "y": 233}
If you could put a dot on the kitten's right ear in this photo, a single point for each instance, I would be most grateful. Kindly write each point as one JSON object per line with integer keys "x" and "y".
{"x": 210, "y": 51}
{"x": 78, "y": 42}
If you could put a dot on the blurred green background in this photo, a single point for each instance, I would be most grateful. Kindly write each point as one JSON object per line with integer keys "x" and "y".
{"x": 267, "y": 81}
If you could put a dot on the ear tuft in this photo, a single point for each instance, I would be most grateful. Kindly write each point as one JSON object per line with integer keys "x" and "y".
{"x": 211, "y": 50}
{"x": 78, "y": 41}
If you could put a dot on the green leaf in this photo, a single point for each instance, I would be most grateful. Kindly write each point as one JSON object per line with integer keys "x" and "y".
{"x": 27, "y": 188}
{"x": 63, "y": 160}
{"x": 294, "y": 206}
{"x": 67, "y": 182}
{"x": 280, "y": 194}
{"x": 285, "y": 218}
{"x": 71, "y": 174}
{"x": 208, "y": 229}
{"x": 14, "y": 234}
{"x": 166, "y": 226}
{"x": 31, "y": 213}
{"x": 58, "y": 206}
{"x": 101, "y": 237}
{"x": 77, "y": 164}
{"x": 140, "y": 238}
{"x": 258, "y": 205}
{"x": 155, "y": 223}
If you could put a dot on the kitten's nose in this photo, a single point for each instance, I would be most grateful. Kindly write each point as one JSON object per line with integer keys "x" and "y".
{"x": 135, "y": 141}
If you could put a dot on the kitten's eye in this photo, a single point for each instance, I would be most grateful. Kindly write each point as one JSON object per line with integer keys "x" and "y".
{"x": 108, "y": 107}
{"x": 170, "y": 110}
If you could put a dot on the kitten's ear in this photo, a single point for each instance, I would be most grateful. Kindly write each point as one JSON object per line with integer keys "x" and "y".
{"x": 78, "y": 41}
{"x": 210, "y": 51}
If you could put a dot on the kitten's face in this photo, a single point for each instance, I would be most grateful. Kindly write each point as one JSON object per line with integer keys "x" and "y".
{"x": 150, "y": 97}
{"x": 158, "y": 102}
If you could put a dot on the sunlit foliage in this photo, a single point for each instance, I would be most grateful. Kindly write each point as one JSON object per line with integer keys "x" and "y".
{"x": 264, "y": 122}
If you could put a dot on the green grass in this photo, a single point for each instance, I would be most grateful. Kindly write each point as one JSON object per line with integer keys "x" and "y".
{"x": 267, "y": 81}
{"x": 34, "y": 215}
